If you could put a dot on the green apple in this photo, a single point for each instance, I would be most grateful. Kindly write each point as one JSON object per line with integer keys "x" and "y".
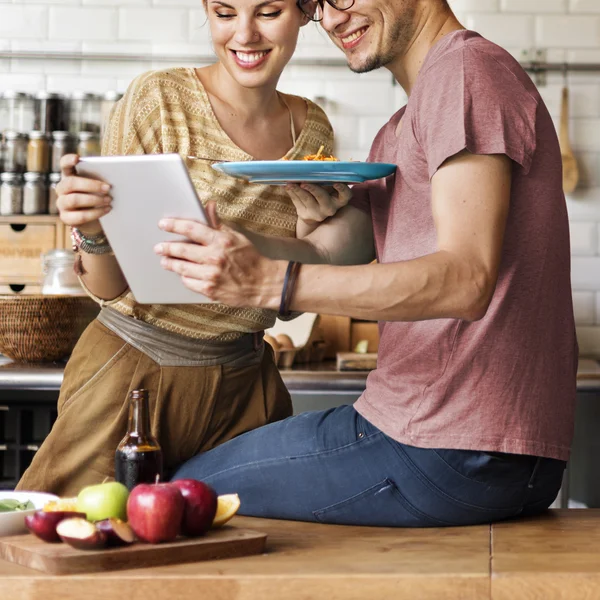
{"x": 103, "y": 501}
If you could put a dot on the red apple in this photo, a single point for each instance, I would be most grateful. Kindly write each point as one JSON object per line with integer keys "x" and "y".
{"x": 81, "y": 534}
{"x": 43, "y": 524}
{"x": 200, "y": 506}
{"x": 155, "y": 511}
{"x": 118, "y": 533}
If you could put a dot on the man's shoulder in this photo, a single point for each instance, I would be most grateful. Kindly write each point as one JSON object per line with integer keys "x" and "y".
{"x": 469, "y": 56}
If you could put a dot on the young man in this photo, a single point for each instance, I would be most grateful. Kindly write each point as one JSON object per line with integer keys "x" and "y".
{"x": 469, "y": 416}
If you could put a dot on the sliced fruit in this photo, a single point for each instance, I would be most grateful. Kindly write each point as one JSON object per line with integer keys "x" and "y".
{"x": 118, "y": 533}
{"x": 227, "y": 506}
{"x": 362, "y": 347}
{"x": 81, "y": 534}
{"x": 43, "y": 524}
{"x": 61, "y": 505}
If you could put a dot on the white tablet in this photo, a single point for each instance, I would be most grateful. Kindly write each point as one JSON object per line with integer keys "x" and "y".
{"x": 145, "y": 189}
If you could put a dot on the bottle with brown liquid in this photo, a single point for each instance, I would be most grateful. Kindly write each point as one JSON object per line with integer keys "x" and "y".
{"x": 138, "y": 458}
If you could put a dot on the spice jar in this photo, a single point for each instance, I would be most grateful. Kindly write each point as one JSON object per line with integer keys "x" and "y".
{"x": 108, "y": 101}
{"x": 50, "y": 112}
{"x": 89, "y": 144}
{"x": 38, "y": 153}
{"x": 85, "y": 112}
{"x": 18, "y": 108}
{"x": 14, "y": 152}
{"x": 11, "y": 194}
{"x": 35, "y": 194}
{"x": 54, "y": 178}
{"x": 62, "y": 143}
{"x": 59, "y": 275}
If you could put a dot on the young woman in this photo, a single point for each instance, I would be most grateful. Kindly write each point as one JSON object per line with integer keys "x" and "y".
{"x": 208, "y": 372}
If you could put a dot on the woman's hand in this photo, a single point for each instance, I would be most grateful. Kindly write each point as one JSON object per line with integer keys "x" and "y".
{"x": 314, "y": 203}
{"x": 81, "y": 201}
{"x": 221, "y": 263}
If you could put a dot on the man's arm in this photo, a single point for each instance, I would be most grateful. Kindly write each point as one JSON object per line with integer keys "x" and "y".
{"x": 470, "y": 201}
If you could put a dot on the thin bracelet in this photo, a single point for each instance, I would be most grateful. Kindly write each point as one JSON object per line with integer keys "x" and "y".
{"x": 289, "y": 282}
{"x": 92, "y": 244}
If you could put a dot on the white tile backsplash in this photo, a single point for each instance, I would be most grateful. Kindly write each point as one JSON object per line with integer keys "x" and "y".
{"x": 584, "y": 304}
{"x": 358, "y": 105}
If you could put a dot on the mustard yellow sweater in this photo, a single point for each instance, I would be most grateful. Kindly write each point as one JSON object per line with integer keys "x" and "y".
{"x": 169, "y": 111}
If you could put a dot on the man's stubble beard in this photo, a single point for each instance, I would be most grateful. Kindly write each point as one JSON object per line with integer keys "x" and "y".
{"x": 400, "y": 36}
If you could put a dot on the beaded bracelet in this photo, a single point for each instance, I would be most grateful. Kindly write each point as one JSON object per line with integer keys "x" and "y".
{"x": 90, "y": 244}
{"x": 289, "y": 283}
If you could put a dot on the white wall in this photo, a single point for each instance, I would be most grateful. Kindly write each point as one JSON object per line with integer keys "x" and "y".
{"x": 358, "y": 105}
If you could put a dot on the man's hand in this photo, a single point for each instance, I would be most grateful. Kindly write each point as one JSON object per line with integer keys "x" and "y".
{"x": 221, "y": 263}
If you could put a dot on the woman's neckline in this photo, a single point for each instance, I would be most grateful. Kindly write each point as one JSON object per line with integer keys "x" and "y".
{"x": 213, "y": 116}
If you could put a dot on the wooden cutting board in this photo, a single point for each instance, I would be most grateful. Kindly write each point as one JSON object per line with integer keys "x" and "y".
{"x": 354, "y": 361}
{"x": 228, "y": 542}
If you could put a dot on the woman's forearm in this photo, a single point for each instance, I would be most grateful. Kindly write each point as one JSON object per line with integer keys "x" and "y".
{"x": 102, "y": 275}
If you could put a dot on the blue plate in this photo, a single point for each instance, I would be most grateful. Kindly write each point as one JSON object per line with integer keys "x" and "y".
{"x": 280, "y": 172}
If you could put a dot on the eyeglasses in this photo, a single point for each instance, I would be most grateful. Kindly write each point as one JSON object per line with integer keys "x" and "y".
{"x": 313, "y": 9}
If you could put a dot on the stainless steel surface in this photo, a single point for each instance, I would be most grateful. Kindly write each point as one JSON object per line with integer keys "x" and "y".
{"x": 321, "y": 378}
{"x": 173, "y": 59}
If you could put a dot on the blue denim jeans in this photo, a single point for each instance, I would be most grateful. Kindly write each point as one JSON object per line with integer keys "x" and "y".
{"x": 333, "y": 466}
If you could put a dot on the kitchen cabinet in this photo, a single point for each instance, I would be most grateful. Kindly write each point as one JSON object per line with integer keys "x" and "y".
{"x": 23, "y": 240}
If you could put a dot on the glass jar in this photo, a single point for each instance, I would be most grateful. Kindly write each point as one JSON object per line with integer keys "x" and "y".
{"x": 108, "y": 101}
{"x": 14, "y": 152}
{"x": 50, "y": 112}
{"x": 54, "y": 178}
{"x": 89, "y": 144}
{"x": 18, "y": 108}
{"x": 59, "y": 275}
{"x": 35, "y": 194}
{"x": 38, "y": 153}
{"x": 11, "y": 194}
{"x": 62, "y": 143}
{"x": 84, "y": 112}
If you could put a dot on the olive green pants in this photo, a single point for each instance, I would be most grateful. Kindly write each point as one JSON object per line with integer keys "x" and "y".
{"x": 192, "y": 409}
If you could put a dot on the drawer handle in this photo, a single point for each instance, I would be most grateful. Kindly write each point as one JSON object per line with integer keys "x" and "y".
{"x": 18, "y": 227}
{"x": 16, "y": 287}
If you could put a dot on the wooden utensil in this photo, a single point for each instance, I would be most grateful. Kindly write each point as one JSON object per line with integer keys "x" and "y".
{"x": 29, "y": 551}
{"x": 569, "y": 162}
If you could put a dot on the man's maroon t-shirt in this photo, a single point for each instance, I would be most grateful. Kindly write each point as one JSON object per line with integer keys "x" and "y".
{"x": 507, "y": 382}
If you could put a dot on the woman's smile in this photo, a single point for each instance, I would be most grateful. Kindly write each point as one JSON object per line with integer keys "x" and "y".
{"x": 250, "y": 59}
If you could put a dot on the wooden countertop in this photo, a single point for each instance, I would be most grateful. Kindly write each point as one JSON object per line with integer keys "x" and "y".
{"x": 556, "y": 556}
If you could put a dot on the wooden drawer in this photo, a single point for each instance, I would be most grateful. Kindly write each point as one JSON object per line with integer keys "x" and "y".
{"x": 20, "y": 289}
{"x": 22, "y": 242}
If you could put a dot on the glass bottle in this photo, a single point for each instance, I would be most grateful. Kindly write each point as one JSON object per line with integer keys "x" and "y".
{"x": 138, "y": 458}
{"x": 108, "y": 101}
{"x": 38, "y": 153}
{"x": 59, "y": 276}
{"x": 50, "y": 112}
{"x": 19, "y": 111}
{"x": 89, "y": 144}
{"x": 35, "y": 194}
{"x": 84, "y": 112}
{"x": 11, "y": 194}
{"x": 62, "y": 144}
{"x": 15, "y": 152}
{"x": 53, "y": 179}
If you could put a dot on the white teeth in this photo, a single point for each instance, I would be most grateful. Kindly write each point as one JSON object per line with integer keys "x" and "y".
{"x": 354, "y": 36}
{"x": 250, "y": 57}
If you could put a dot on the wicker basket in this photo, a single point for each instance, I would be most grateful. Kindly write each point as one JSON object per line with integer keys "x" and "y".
{"x": 43, "y": 328}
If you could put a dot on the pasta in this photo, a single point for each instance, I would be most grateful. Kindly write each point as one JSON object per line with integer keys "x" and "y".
{"x": 320, "y": 156}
